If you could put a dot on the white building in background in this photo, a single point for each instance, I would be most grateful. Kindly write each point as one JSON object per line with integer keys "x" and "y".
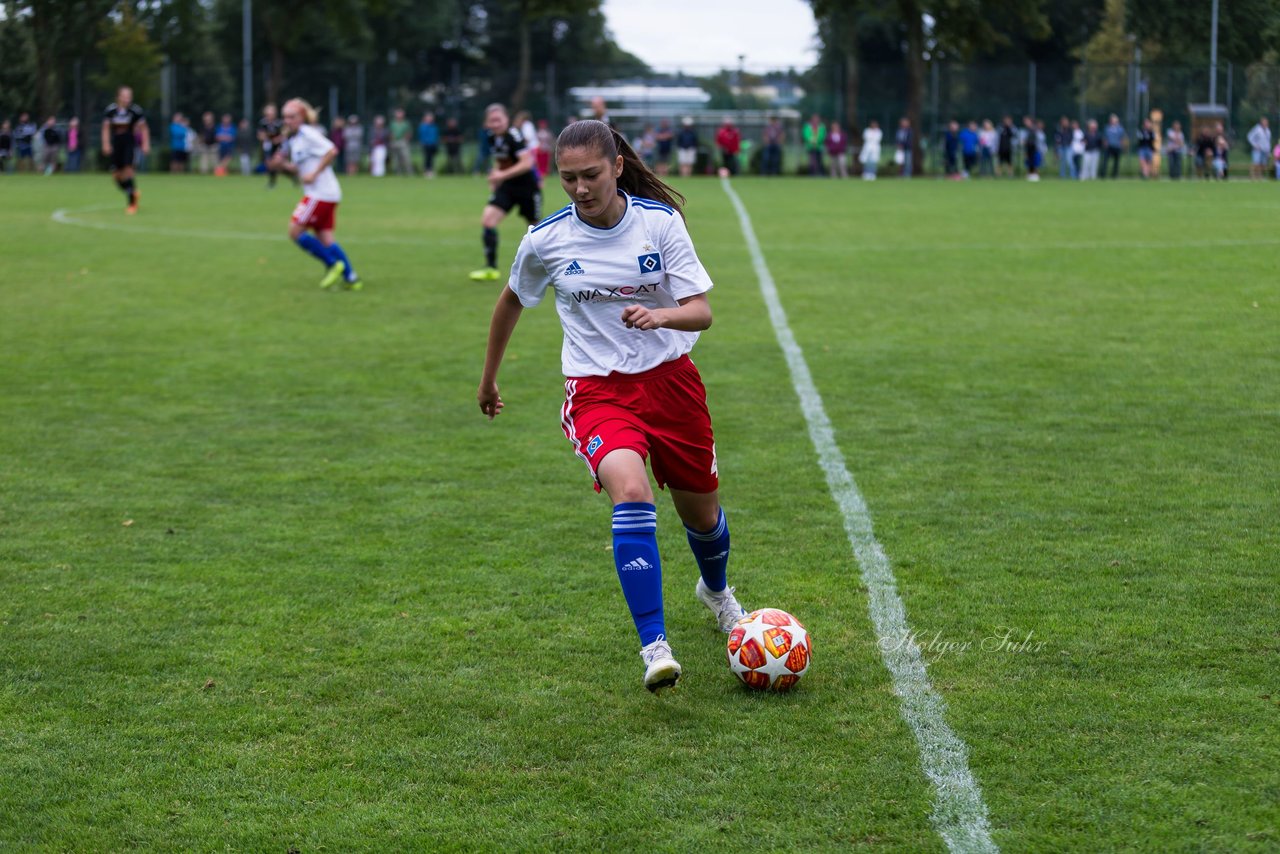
{"x": 640, "y": 103}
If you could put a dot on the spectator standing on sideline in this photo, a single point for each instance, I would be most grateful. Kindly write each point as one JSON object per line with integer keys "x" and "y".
{"x": 988, "y": 141}
{"x": 6, "y": 146}
{"x": 666, "y": 138}
{"x": 1031, "y": 148}
{"x": 1093, "y": 144}
{"x": 246, "y": 142}
{"x": 1221, "y": 154}
{"x": 179, "y": 154}
{"x": 452, "y": 139}
{"x": 353, "y": 146}
{"x": 24, "y": 135}
{"x": 646, "y": 146}
{"x": 1175, "y": 144}
{"x": 599, "y": 111}
{"x": 771, "y": 147}
{"x": 1004, "y": 147}
{"x": 729, "y": 141}
{"x": 546, "y": 142}
{"x": 814, "y": 136}
{"x": 401, "y": 139}
{"x": 1077, "y": 150}
{"x": 1062, "y": 147}
{"x": 379, "y": 139}
{"x": 969, "y": 142}
{"x": 483, "y": 152}
{"x": 338, "y": 137}
{"x": 1116, "y": 139}
{"x": 429, "y": 139}
{"x": 687, "y": 147}
{"x": 872, "y": 137}
{"x": 837, "y": 150}
{"x": 905, "y": 141}
{"x": 1260, "y": 144}
{"x": 226, "y": 139}
{"x": 52, "y": 139}
{"x": 208, "y": 140}
{"x": 1147, "y": 150}
{"x": 951, "y": 149}
{"x": 73, "y": 145}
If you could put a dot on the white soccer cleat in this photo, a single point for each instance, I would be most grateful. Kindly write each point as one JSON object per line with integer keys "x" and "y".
{"x": 661, "y": 670}
{"x": 723, "y": 604}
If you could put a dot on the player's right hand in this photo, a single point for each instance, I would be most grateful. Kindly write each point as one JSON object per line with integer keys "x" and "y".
{"x": 490, "y": 401}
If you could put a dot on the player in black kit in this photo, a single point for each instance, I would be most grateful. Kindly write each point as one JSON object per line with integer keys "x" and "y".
{"x": 271, "y": 133}
{"x": 512, "y": 183}
{"x": 121, "y": 121}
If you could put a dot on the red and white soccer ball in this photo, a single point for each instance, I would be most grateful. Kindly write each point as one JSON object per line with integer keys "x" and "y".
{"x": 769, "y": 650}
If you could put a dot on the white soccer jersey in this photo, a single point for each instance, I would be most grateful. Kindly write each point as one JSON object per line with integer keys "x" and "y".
{"x": 647, "y": 258}
{"x": 306, "y": 147}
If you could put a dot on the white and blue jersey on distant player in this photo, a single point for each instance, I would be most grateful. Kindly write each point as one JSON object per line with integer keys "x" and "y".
{"x": 646, "y": 258}
{"x": 306, "y": 149}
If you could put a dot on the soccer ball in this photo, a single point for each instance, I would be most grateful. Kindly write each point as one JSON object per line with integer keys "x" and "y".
{"x": 769, "y": 650}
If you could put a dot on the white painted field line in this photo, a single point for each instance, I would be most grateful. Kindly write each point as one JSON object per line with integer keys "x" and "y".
{"x": 959, "y": 813}
{"x": 72, "y": 216}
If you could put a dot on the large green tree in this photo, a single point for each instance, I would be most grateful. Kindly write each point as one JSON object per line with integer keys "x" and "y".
{"x": 61, "y": 31}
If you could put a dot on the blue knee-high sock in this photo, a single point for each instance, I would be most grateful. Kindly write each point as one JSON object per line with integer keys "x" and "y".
{"x": 635, "y": 554}
{"x": 338, "y": 254}
{"x": 711, "y": 551}
{"x": 310, "y": 243}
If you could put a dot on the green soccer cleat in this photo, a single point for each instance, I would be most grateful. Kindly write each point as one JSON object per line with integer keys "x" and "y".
{"x": 485, "y": 274}
{"x": 352, "y": 284}
{"x": 333, "y": 275}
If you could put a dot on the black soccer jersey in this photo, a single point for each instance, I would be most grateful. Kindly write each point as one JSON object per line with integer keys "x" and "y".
{"x": 506, "y": 148}
{"x": 271, "y": 129}
{"x": 123, "y": 119}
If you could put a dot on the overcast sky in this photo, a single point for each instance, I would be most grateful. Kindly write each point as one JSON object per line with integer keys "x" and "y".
{"x": 704, "y": 35}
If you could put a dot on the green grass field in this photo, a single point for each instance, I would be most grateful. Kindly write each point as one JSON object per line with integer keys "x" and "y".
{"x": 268, "y": 580}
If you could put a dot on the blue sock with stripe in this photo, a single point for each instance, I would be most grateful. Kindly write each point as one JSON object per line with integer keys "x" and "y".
{"x": 635, "y": 554}
{"x": 711, "y": 551}
{"x": 336, "y": 249}
{"x": 310, "y": 243}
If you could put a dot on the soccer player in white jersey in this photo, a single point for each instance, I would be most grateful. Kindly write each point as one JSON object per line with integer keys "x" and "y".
{"x": 309, "y": 155}
{"x": 632, "y": 299}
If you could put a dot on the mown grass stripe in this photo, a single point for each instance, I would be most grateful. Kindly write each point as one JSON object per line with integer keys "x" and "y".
{"x": 959, "y": 813}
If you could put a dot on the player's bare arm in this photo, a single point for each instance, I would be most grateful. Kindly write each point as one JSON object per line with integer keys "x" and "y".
{"x": 146, "y": 137}
{"x": 106, "y": 137}
{"x": 523, "y": 164}
{"x": 505, "y": 316}
{"x": 693, "y": 315}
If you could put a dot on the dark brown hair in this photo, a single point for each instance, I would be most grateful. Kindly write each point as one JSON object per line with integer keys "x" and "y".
{"x": 636, "y": 179}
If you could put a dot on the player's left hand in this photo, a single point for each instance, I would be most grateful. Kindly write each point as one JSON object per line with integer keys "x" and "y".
{"x": 640, "y": 317}
{"x": 494, "y": 179}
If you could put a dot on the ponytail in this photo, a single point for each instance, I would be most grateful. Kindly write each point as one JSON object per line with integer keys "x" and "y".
{"x": 637, "y": 179}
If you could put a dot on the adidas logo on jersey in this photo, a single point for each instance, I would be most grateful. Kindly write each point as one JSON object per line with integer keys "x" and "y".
{"x": 636, "y": 565}
{"x": 574, "y": 269}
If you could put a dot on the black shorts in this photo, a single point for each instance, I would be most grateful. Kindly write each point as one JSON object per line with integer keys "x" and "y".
{"x": 121, "y": 152}
{"x": 525, "y": 196}
{"x": 1006, "y": 156}
{"x": 181, "y": 155}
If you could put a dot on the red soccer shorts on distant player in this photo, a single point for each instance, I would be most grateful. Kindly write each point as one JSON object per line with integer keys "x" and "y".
{"x": 660, "y": 414}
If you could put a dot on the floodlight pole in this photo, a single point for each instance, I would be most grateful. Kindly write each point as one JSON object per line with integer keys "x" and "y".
{"x": 1213, "y": 56}
{"x": 246, "y": 56}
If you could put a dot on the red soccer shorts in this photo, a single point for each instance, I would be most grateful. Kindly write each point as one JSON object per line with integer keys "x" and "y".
{"x": 312, "y": 213}
{"x": 660, "y": 414}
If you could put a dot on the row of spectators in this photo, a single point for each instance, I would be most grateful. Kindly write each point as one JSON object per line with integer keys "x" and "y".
{"x": 974, "y": 149}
